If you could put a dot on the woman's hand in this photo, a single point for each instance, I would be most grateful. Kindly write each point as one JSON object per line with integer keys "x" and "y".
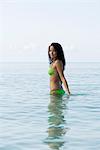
{"x": 68, "y": 92}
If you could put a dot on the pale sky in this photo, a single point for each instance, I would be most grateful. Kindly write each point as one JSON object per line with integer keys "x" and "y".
{"x": 27, "y": 27}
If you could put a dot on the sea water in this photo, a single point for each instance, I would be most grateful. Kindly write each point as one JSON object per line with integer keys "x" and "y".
{"x": 31, "y": 119}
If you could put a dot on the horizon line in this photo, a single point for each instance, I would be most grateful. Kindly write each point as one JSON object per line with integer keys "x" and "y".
{"x": 48, "y": 62}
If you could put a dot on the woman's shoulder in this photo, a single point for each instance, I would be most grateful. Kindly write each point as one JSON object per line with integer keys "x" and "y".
{"x": 58, "y": 62}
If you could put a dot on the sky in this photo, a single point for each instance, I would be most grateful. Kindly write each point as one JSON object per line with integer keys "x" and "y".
{"x": 28, "y": 27}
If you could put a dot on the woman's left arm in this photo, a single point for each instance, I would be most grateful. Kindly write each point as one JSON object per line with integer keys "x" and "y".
{"x": 59, "y": 67}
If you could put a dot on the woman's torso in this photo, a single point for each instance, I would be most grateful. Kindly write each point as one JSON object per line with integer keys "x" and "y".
{"x": 55, "y": 82}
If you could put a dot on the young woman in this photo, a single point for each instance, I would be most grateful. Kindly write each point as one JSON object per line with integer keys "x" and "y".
{"x": 56, "y": 70}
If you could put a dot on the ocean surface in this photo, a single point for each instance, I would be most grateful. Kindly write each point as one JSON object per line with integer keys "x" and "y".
{"x": 31, "y": 119}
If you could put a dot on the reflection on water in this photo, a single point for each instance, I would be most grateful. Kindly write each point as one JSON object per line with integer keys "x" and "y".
{"x": 57, "y": 123}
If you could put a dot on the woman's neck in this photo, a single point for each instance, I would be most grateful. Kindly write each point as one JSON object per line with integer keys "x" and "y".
{"x": 54, "y": 59}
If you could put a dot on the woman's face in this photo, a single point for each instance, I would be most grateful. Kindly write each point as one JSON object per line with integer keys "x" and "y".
{"x": 52, "y": 53}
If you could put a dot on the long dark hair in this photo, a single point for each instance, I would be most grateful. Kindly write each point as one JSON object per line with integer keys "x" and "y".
{"x": 60, "y": 53}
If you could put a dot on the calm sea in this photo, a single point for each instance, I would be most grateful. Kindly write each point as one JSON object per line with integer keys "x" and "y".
{"x": 31, "y": 119}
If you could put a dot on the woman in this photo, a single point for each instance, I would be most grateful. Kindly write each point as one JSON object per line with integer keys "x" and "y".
{"x": 56, "y": 70}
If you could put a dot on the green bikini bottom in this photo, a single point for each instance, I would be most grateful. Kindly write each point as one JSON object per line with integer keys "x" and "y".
{"x": 57, "y": 92}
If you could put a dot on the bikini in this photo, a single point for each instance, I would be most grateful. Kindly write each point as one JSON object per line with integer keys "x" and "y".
{"x": 51, "y": 72}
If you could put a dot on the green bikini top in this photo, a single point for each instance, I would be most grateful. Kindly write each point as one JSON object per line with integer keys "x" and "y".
{"x": 51, "y": 71}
